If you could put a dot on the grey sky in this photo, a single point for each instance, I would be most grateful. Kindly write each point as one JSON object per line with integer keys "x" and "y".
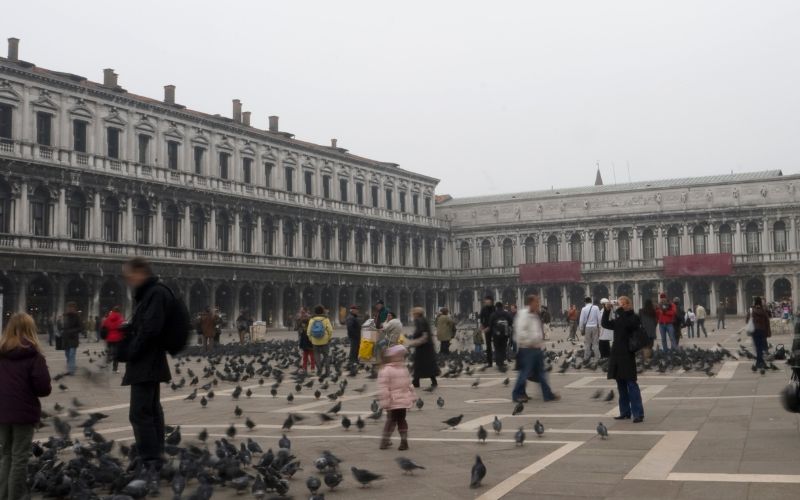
{"x": 487, "y": 96}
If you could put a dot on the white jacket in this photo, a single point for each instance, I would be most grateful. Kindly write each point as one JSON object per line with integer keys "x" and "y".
{"x": 528, "y": 330}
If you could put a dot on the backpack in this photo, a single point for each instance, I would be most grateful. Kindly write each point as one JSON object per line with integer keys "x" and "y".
{"x": 501, "y": 327}
{"x": 639, "y": 339}
{"x": 318, "y": 329}
{"x": 178, "y": 324}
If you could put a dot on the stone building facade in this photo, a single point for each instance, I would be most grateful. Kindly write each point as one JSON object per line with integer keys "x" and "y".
{"x": 258, "y": 220}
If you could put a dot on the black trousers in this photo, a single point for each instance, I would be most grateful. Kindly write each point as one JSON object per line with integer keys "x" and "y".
{"x": 355, "y": 343}
{"x": 605, "y": 348}
{"x": 445, "y": 347}
{"x": 147, "y": 420}
{"x": 489, "y": 336}
{"x": 500, "y": 349}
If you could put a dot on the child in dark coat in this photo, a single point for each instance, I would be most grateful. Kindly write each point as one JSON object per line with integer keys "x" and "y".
{"x": 25, "y": 378}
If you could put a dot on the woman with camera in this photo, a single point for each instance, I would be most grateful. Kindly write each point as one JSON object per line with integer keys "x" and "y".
{"x": 622, "y": 363}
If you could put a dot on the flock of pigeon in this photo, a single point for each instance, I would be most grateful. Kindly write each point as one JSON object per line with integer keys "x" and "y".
{"x": 78, "y": 462}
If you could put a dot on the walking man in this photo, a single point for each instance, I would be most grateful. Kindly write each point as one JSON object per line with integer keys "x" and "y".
{"x": 589, "y": 326}
{"x": 445, "y": 330}
{"x": 721, "y": 315}
{"x": 146, "y": 366}
{"x": 500, "y": 324}
{"x": 485, "y": 316}
{"x": 666, "y": 314}
{"x": 353, "y": 334}
{"x": 700, "y": 315}
{"x": 572, "y": 320}
{"x": 529, "y": 335}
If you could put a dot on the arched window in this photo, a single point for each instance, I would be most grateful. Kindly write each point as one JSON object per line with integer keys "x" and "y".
{"x": 779, "y": 237}
{"x": 268, "y": 235}
{"x": 327, "y": 237}
{"x": 648, "y": 245}
{"x": 171, "y": 226}
{"x": 429, "y": 253}
{"x": 623, "y": 247}
{"x": 530, "y": 250}
{"x": 699, "y": 240}
{"x": 223, "y": 231}
{"x": 599, "y": 247}
{"x": 198, "y": 223}
{"x": 576, "y": 248}
{"x": 40, "y": 212}
{"x": 389, "y": 249}
{"x": 439, "y": 254}
{"x": 464, "y": 252}
{"x": 288, "y": 238}
{"x": 486, "y": 254}
{"x": 402, "y": 251}
{"x": 141, "y": 222}
{"x": 752, "y": 239}
{"x": 552, "y": 249}
{"x": 111, "y": 216}
{"x": 77, "y": 213}
{"x": 246, "y": 228}
{"x": 344, "y": 242}
{"x": 725, "y": 239}
{"x": 360, "y": 247}
{"x": 308, "y": 240}
{"x": 375, "y": 247}
{"x": 508, "y": 253}
{"x": 673, "y": 242}
{"x": 5, "y": 208}
{"x": 416, "y": 249}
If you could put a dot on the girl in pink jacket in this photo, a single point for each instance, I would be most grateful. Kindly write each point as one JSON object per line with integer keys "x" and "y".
{"x": 396, "y": 394}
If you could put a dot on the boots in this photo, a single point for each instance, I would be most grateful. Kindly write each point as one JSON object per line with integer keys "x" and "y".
{"x": 403, "y": 441}
{"x": 385, "y": 443}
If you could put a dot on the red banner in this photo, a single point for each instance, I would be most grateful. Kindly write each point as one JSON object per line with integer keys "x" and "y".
{"x": 550, "y": 272}
{"x": 712, "y": 264}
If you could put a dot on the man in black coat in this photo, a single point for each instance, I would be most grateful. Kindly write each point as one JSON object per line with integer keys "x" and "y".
{"x": 622, "y": 363}
{"x": 500, "y": 323}
{"x": 353, "y": 333}
{"x": 147, "y": 366}
{"x": 485, "y": 315}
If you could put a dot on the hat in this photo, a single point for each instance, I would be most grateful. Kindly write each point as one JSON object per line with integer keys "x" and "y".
{"x": 380, "y": 302}
{"x": 676, "y": 299}
{"x": 662, "y": 295}
{"x": 604, "y": 301}
{"x": 353, "y": 306}
{"x": 395, "y": 350}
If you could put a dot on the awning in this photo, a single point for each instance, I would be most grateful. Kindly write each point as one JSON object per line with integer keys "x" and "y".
{"x": 550, "y": 272}
{"x": 711, "y": 264}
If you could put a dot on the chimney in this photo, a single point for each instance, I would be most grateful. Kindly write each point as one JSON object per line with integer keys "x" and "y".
{"x": 13, "y": 49}
{"x": 273, "y": 123}
{"x": 333, "y": 143}
{"x": 246, "y": 118}
{"x": 169, "y": 94}
{"x": 237, "y": 110}
{"x": 109, "y": 78}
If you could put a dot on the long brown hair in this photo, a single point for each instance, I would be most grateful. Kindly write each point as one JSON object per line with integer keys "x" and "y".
{"x": 20, "y": 332}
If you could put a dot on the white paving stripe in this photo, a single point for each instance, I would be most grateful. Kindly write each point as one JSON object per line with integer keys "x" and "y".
{"x": 747, "y": 396}
{"x": 727, "y": 370}
{"x": 734, "y": 478}
{"x": 323, "y": 402}
{"x": 662, "y": 458}
{"x": 519, "y": 477}
{"x": 648, "y": 393}
{"x": 486, "y": 420}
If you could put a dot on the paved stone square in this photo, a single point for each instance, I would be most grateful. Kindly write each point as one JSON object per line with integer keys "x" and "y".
{"x": 724, "y": 436}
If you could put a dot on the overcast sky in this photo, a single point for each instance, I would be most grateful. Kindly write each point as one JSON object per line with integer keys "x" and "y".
{"x": 489, "y": 97}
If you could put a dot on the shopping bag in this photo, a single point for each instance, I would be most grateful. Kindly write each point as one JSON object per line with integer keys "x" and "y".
{"x": 365, "y": 350}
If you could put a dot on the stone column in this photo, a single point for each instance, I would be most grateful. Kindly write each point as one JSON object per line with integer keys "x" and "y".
{"x": 635, "y": 250}
{"x": 686, "y": 246}
{"x": 259, "y": 291}
{"x": 685, "y": 299}
{"x": 23, "y": 226}
{"x": 279, "y": 250}
{"x": 187, "y": 227}
{"x": 660, "y": 244}
{"x": 351, "y": 245}
{"x": 564, "y": 298}
{"x": 127, "y": 222}
{"x": 94, "y": 304}
{"x": 298, "y": 240}
{"x": 97, "y": 216}
{"x": 279, "y": 289}
{"x": 212, "y": 231}
{"x": 158, "y": 226}
{"x": 793, "y": 242}
{"x": 317, "y": 241}
{"x": 259, "y": 245}
{"x": 382, "y": 250}
{"x": 765, "y": 243}
{"x": 738, "y": 244}
{"x": 713, "y": 241}
{"x": 637, "y": 298}
{"x": 61, "y": 214}
{"x": 237, "y": 306}
{"x": 237, "y": 236}
{"x": 740, "y": 306}
{"x": 712, "y": 298}
{"x": 60, "y": 295}
{"x": 476, "y": 303}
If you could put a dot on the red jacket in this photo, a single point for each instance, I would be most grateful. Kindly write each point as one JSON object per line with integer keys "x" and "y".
{"x": 112, "y": 324}
{"x": 666, "y": 317}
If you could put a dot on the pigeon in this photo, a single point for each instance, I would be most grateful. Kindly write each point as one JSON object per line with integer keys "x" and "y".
{"x": 609, "y": 396}
{"x": 476, "y": 383}
{"x": 238, "y": 411}
{"x": 332, "y": 479}
{"x": 374, "y": 405}
{"x": 597, "y": 394}
{"x": 284, "y": 443}
{"x": 324, "y": 417}
{"x": 407, "y": 465}
{"x": 136, "y": 488}
{"x": 253, "y": 447}
{"x": 191, "y": 396}
{"x": 249, "y": 423}
{"x": 440, "y": 402}
{"x": 506, "y": 381}
{"x": 346, "y": 423}
{"x": 519, "y": 437}
{"x": 203, "y": 435}
{"x": 203, "y": 401}
{"x": 497, "y": 425}
{"x": 420, "y": 403}
{"x": 602, "y": 431}
{"x": 538, "y": 428}
{"x": 178, "y": 485}
{"x": 231, "y": 431}
{"x": 364, "y": 476}
{"x": 313, "y": 484}
{"x": 336, "y": 408}
{"x": 175, "y": 438}
{"x": 453, "y": 422}
{"x": 482, "y": 434}
{"x": 518, "y": 408}
{"x": 290, "y": 397}
{"x": 478, "y": 473}
{"x": 360, "y": 424}
{"x": 288, "y": 423}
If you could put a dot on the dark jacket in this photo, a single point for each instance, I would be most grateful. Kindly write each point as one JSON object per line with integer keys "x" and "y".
{"x": 353, "y": 327}
{"x": 71, "y": 330}
{"x": 25, "y": 379}
{"x": 761, "y": 320}
{"x": 622, "y": 363}
{"x": 486, "y": 315}
{"x": 424, "y": 355}
{"x": 501, "y": 314}
{"x": 147, "y": 360}
{"x": 305, "y": 342}
{"x": 649, "y": 322}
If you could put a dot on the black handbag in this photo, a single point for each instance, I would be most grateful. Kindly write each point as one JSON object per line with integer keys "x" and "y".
{"x": 59, "y": 343}
{"x": 638, "y": 339}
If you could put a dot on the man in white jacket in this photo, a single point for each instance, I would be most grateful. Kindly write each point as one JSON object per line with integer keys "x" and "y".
{"x": 589, "y": 326}
{"x": 529, "y": 336}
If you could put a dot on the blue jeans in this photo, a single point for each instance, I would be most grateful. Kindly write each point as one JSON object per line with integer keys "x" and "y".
{"x": 69, "y": 353}
{"x": 690, "y": 331}
{"x": 478, "y": 348}
{"x": 760, "y": 343}
{"x": 701, "y": 325}
{"x": 531, "y": 361}
{"x": 667, "y": 330}
{"x": 630, "y": 399}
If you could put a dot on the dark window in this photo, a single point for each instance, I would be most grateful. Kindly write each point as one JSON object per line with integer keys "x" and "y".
{"x": 223, "y": 165}
{"x": 76, "y": 221}
{"x": 113, "y": 142}
{"x": 44, "y": 128}
{"x": 375, "y": 197}
{"x": 144, "y": 149}
{"x": 5, "y": 121}
{"x": 172, "y": 155}
{"x": 343, "y": 241}
{"x": 268, "y": 167}
{"x": 111, "y": 222}
{"x": 415, "y": 204}
{"x": 427, "y": 207}
{"x": 246, "y": 229}
{"x": 359, "y": 193}
{"x": 198, "y": 159}
{"x": 247, "y": 171}
{"x": 79, "y": 136}
{"x": 269, "y": 237}
{"x": 39, "y": 222}
{"x": 198, "y": 230}
{"x": 171, "y": 227}
{"x": 388, "y": 199}
{"x": 308, "y": 178}
{"x": 402, "y": 195}
{"x": 326, "y": 186}
{"x": 289, "y": 172}
{"x": 5, "y": 210}
{"x": 141, "y": 227}
{"x": 343, "y": 185}
{"x": 223, "y": 233}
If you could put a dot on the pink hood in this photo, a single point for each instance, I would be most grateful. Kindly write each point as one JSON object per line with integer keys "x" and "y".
{"x": 395, "y": 387}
